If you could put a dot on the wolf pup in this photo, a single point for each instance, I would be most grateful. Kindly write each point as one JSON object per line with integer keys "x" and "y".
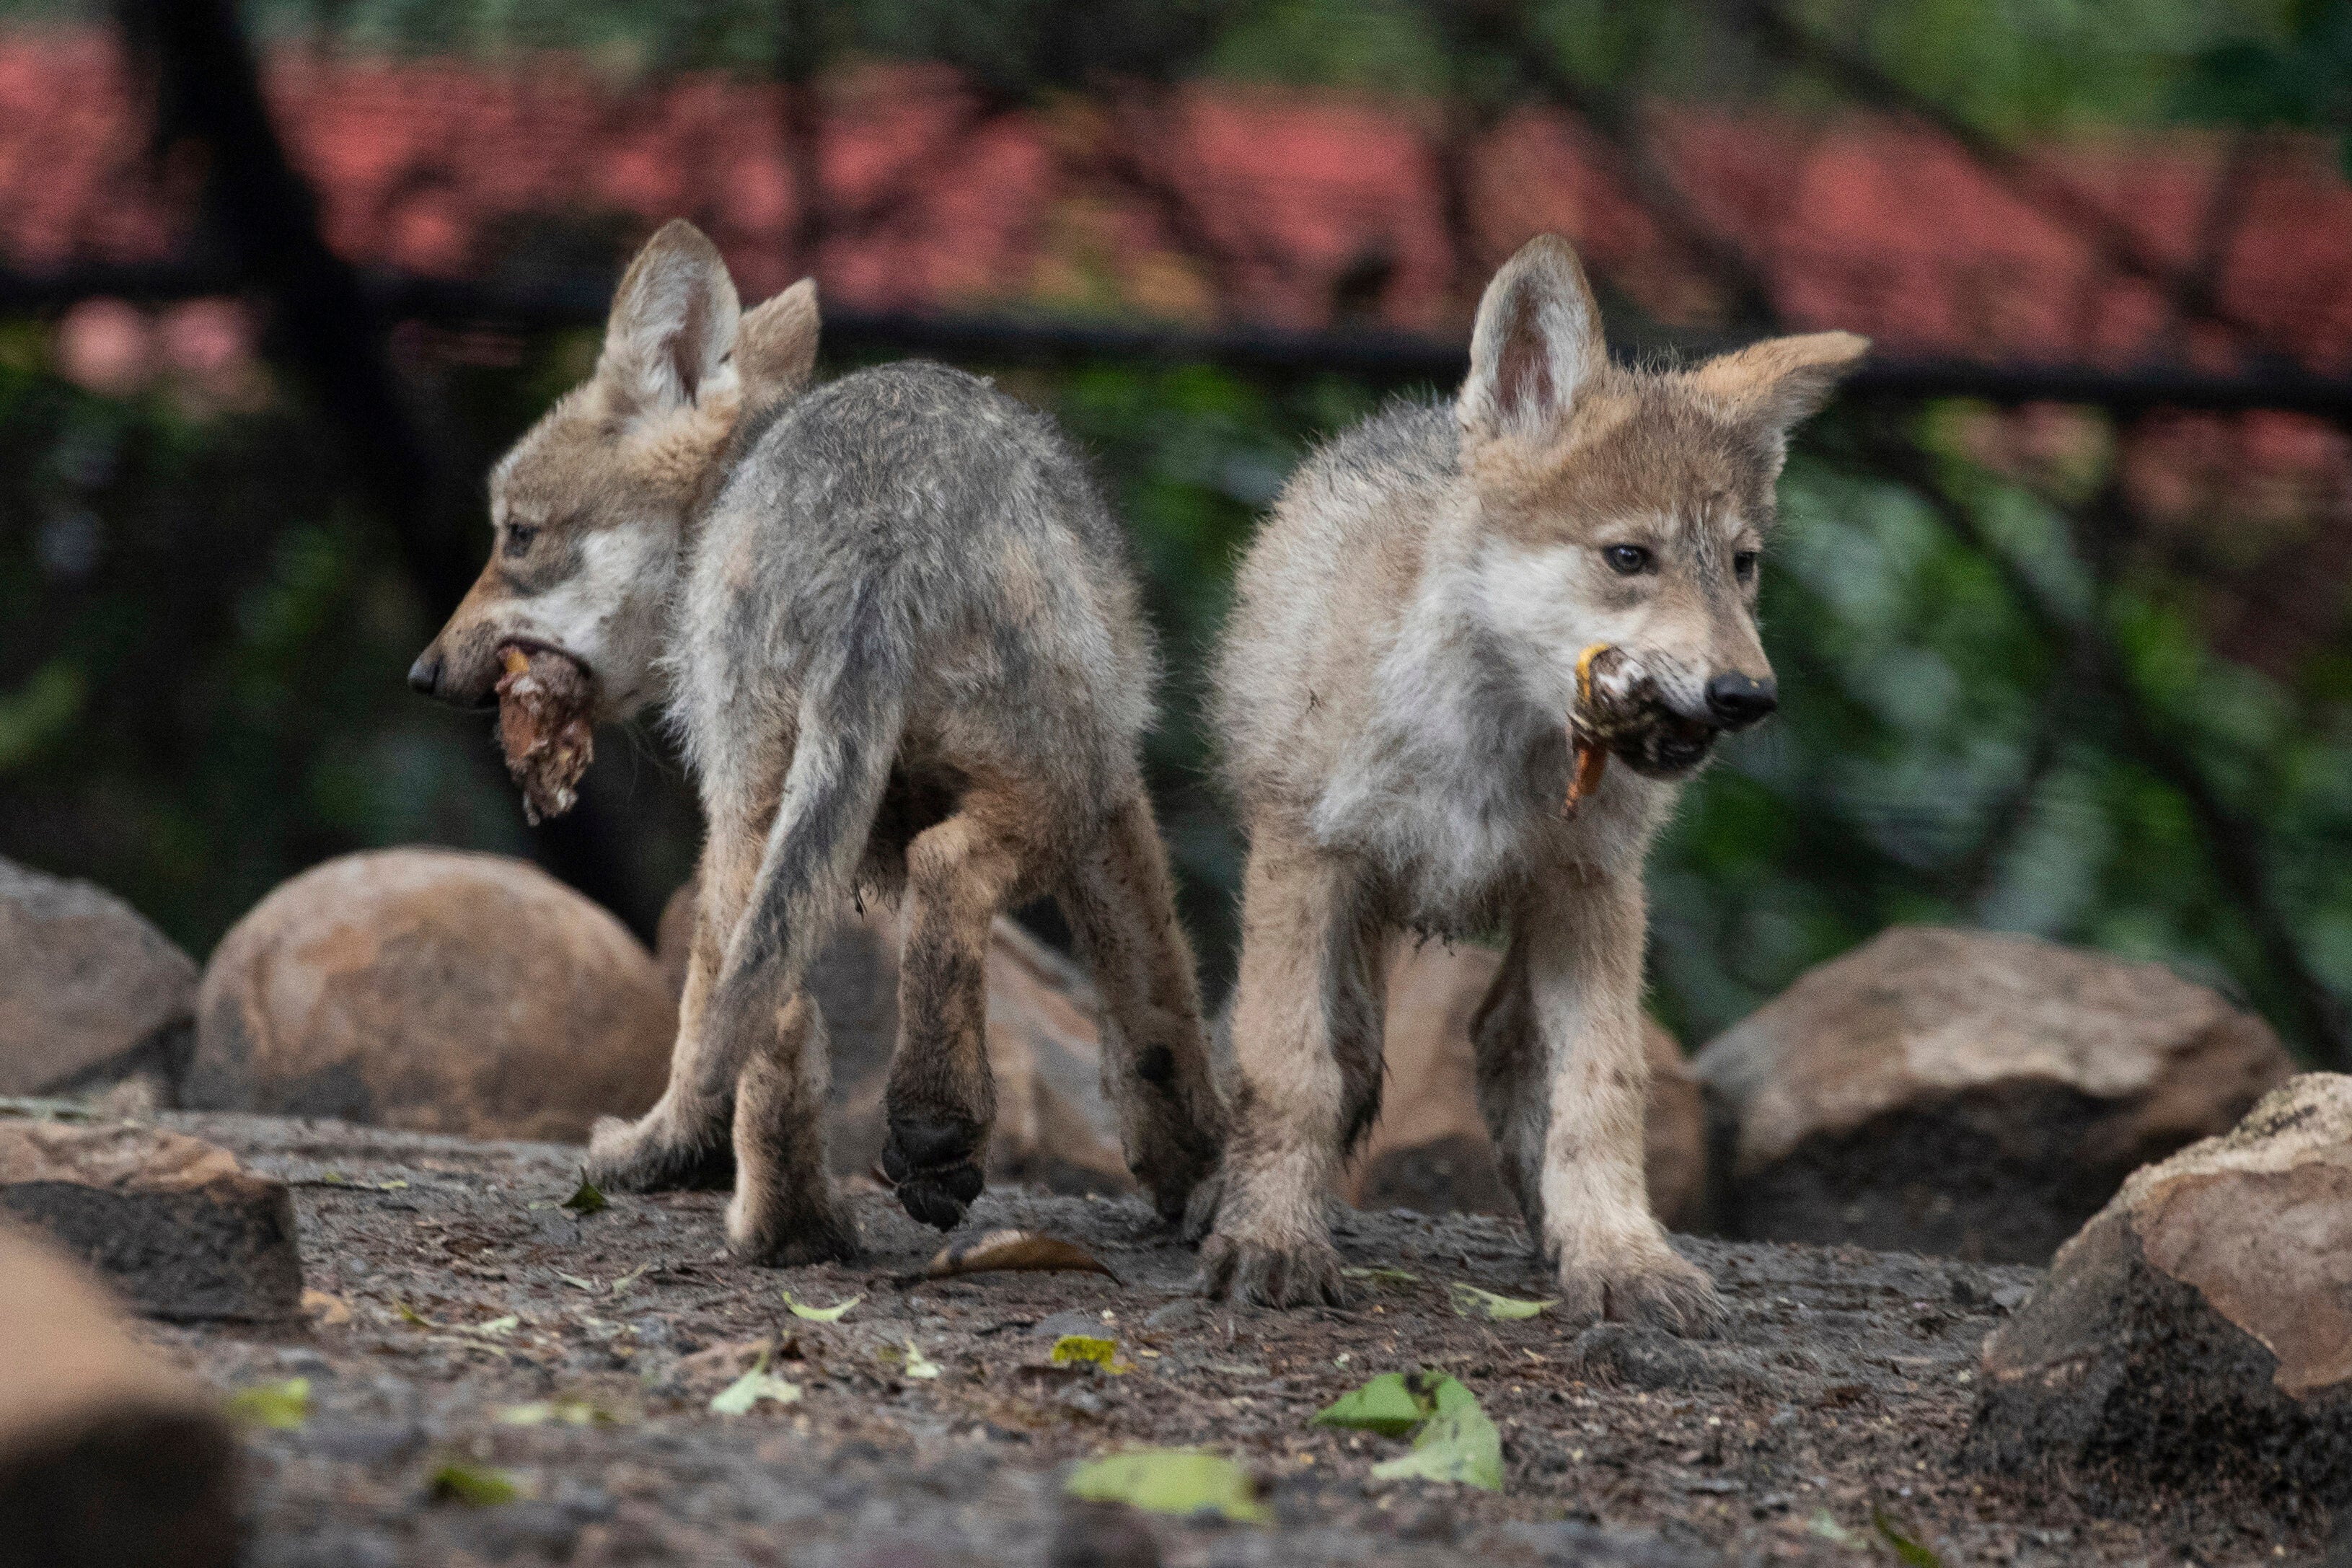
{"x": 901, "y": 640}
{"x": 1395, "y": 695}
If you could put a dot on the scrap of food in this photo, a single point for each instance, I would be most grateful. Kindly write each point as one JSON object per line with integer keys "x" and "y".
{"x": 544, "y": 702}
{"x": 1609, "y": 691}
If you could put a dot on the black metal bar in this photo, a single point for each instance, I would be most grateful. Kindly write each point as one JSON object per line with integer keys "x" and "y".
{"x": 1390, "y": 359}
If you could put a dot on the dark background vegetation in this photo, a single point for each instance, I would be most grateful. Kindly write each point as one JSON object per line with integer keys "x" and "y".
{"x": 2015, "y": 695}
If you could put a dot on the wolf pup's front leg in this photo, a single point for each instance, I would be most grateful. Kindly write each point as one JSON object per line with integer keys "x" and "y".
{"x": 1307, "y": 1014}
{"x": 1563, "y": 1081}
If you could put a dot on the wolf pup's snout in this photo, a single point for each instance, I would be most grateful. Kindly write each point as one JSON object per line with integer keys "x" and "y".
{"x": 1737, "y": 700}
{"x": 425, "y": 675}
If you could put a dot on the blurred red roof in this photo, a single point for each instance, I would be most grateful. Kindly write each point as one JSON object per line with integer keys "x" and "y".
{"x": 450, "y": 168}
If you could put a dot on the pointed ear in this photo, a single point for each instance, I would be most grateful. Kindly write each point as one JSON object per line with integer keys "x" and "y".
{"x": 1537, "y": 346}
{"x": 775, "y": 351}
{"x": 673, "y": 322}
{"x": 1780, "y": 382}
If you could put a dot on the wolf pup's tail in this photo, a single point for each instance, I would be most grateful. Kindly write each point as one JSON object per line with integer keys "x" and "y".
{"x": 850, "y": 719}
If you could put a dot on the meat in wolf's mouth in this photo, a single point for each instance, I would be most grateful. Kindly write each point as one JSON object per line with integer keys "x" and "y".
{"x": 546, "y": 703}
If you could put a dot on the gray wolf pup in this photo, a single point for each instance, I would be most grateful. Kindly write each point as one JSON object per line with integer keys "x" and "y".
{"x": 1393, "y": 695}
{"x": 898, "y": 634}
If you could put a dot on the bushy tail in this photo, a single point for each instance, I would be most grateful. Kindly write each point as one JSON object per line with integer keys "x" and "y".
{"x": 849, "y": 732}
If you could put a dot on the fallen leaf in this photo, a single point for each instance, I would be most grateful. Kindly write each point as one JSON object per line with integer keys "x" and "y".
{"x": 1824, "y": 1524}
{"x": 1908, "y": 1548}
{"x": 327, "y": 1311}
{"x": 1083, "y": 1349}
{"x": 1006, "y": 1250}
{"x": 820, "y": 1314}
{"x": 496, "y": 1329}
{"x": 1387, "y": 1405}
{"x": 1469, "y": 1301}
{"x": 409, "y": 1314}
{"x": 281, "y": 1406}
{"x": 475, "y": 1486}
{"x": 919, "y": 1365}
{"x": 561, "y": 1411}
{"x": 586, "y": 1199}
{"x": 738, "y": 1397}
{"x": 1170, "y": 1480}
{"x": 578, "y": 1282}
{"x": 1457, "y": 1443}
{"x": 1385, "y": 1276}
{"x": 44, "y": 1110}
{"x": 631, "y": 1277}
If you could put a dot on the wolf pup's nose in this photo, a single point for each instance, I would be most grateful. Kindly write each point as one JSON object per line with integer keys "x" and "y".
{"x": 1739, "y": 701}
{"x": 425, "y": 675}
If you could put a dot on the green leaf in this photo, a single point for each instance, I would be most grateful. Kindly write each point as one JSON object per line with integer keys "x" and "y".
{"x": 496, "y": 1329}
{"x": 281, "y": 1406}
{"x": 1085, "y": 1349}
{"x": 1387, "y": 1405}
{"x": 820, "y": 1314}
{"x": 475, "y": 1486}
{"x": 1470, "y": 1302}
{"x": 409, "y": 1314}
{"x": 1383, "y": 1276}
{"x": 578, "y": 1282}
{"x": 738, "y": 1397}
{"x": 560, "y": 1412}
{"x": 1824, "y": 1524}
{"x": 1908, "y": 1548}
{"x": 586, "y": 1199}
{"x": 919, "y": 1365}
{"x": 631, "y": 1277}
{"x": 1457, "y": 1443}
{"x": 1170, "y": 1480}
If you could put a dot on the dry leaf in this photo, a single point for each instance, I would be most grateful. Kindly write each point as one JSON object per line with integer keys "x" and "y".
{"x": 326, "y": 1310}
{"x": 1009, "y": 1250}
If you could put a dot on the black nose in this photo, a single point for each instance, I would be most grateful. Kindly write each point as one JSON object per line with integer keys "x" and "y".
{"x": 1739, "y": 701}
{"x": 425, "y": 675}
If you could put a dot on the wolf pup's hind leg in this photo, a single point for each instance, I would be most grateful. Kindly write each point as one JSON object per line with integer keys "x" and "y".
{"x": 941, "y": 1100}
{"x": 783, "y": 1211}
{"x": 1155, "y": 1058}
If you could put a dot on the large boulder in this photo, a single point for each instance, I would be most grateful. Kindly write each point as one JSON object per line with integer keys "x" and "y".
{"x": 173, "y": 1223}
{"x": 107, "y": 1457}
{"x": 1967, "y": 1093}
{"x": 1054, "y": 1127}
{"x": 90, "y": 992}
{"x": 2197, "y": 1335}
{"x": 1430, "y": 1149}
{"x": 436, "y": 992}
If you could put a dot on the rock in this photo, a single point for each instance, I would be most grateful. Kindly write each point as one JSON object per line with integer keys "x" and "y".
{"x": 1967, "y": 1093}
{"x": 436, "y": 992}
{"x": 107, "y": 1457}
{"x": 90, "y": 993}
{"x": 1054, "y": 1127}
{"x": 2197, "y": 1335}
{"x": 1430, "y": 1150}
{"x": 173, "y": 1223}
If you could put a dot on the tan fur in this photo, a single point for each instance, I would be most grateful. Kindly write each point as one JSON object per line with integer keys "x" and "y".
{"x": 1393, "y": 694}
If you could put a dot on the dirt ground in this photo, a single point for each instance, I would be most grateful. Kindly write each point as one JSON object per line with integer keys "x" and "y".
{"x": 1842, "y": 1384}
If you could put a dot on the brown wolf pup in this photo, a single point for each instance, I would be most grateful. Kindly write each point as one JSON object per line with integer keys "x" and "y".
{"x": 896, "y": 625}
{"x": 1394, "y": 694}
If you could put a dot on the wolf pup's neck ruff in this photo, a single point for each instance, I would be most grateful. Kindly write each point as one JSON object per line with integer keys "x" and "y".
{"x": 1396, "y": 694}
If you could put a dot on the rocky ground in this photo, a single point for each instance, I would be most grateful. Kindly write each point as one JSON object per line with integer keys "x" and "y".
{"x": 448, "y": 1290}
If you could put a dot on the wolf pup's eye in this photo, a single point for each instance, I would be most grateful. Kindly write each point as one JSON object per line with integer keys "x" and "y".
{"x": 1626, "y": 560}
{"x": 519, "y": 539}
{"x": 1743, "y": 565}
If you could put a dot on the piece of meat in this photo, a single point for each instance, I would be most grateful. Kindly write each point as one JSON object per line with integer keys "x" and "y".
{"x": 1610, "y": 693}
{"x": 545, "y": 703}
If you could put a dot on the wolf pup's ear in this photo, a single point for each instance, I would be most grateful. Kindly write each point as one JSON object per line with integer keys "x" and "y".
{"x": 775, "y": 352}
{"x": 673, "y": 322}
{"x": 1781, "y": 382}
{"x": 1537, "y": 345}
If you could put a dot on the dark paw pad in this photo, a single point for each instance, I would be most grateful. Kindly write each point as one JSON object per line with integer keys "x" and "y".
{"x": 935, "y": 1167}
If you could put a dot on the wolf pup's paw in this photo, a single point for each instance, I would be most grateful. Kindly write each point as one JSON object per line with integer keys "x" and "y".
{"x": 644, "y": 1156}
{"x": 1306, "y": 1275}
{"x": 780, "y": 1236}
{"x": 1648, "y": 1284}
{"x": 934, "y": 1168}
{"x": 1202, "y": 1210}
